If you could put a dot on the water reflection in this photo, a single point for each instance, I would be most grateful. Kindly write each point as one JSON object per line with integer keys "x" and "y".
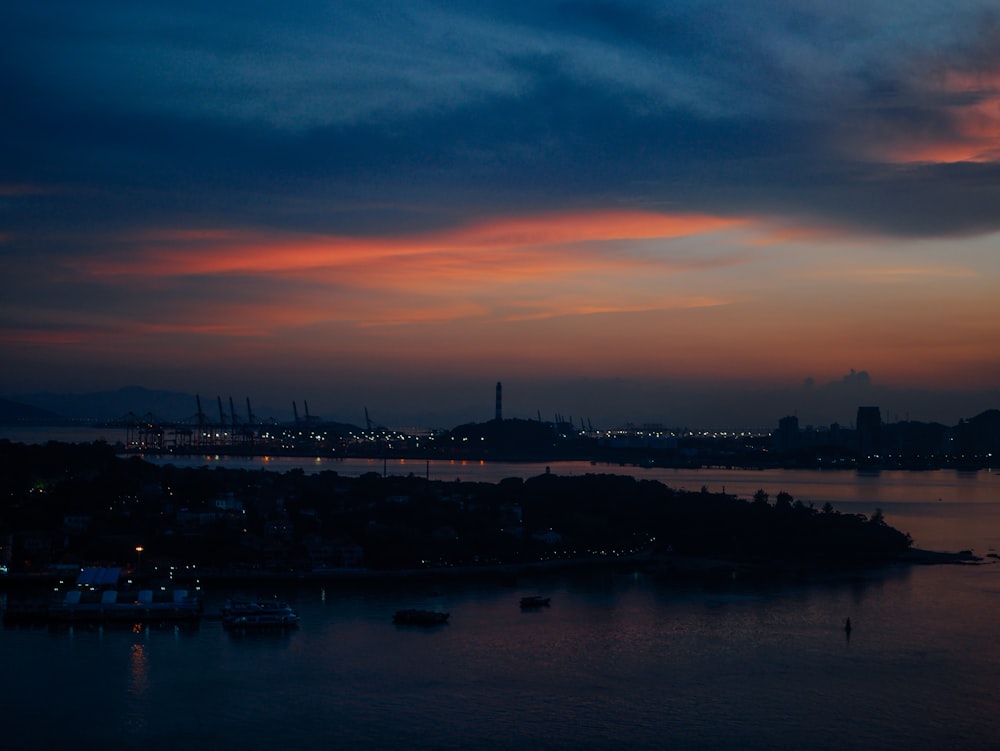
{"x": 138, "y": 670}
{"x": 629, "y": 661}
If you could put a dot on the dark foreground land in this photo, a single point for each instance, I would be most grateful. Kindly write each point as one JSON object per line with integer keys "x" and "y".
{"x": 63, "y": 506}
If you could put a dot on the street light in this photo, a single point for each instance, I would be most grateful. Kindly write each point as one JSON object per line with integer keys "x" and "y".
{"x": 138, "y": 557}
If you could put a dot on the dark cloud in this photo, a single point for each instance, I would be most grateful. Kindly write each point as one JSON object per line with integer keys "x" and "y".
{"x": 294, "y": 117}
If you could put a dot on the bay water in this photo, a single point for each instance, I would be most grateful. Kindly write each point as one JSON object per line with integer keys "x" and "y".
{"x": 618, "y": 661}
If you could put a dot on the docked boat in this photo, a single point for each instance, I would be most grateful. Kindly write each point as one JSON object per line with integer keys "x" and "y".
{"x": 419, "y": 618}
{"x": 258, "y": 614}
{"x": 535, "y": 601}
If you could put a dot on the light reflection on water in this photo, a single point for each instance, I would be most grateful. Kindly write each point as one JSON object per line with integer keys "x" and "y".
{"x": 615, "y": 662}
{"x": 622, "y": 661}
{"x": 139, "y": 670}
{"x": 135, "y": 706}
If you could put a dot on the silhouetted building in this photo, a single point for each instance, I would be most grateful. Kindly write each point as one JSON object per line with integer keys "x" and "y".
{"x": 786, "y": 437}
{"x": 499, "y": 415}
{"x": 869, "y": 429}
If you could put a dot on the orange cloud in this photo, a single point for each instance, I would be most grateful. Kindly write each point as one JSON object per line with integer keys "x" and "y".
{"x": 593, "y": 294}
{"x": 781, "y": 234}
{"x": 873, "y": 274}
{"x": 970, "y": 104}
{"x": 593, "y": 310}
{"x": 509, "y": 269}
{"x": 205, "y": 252}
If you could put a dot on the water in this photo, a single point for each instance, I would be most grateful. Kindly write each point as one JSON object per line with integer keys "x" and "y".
{"x": 619, "y": 661}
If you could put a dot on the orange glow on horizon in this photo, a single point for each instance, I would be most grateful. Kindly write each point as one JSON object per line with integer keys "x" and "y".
{"x": 597, "y": 295}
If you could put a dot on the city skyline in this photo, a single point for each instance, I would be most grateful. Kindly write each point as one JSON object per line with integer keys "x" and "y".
{"x": 703, "y": 215}
{"x": 822, "y": 407}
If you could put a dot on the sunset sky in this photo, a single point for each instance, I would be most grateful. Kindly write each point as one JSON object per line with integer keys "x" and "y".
{"x": 694, "y": 213}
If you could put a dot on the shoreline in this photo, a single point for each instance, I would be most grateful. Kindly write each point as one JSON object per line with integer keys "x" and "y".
{"x": 668, "y": 565}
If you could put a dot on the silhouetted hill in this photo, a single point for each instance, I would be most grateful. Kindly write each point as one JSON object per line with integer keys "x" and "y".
{"x": 236, "y": 520}
{"x": 980, "y": 434}
{"x": 16, "y": 413}
{"x": 170, "y": 406}
{"x": 111, "y": 405}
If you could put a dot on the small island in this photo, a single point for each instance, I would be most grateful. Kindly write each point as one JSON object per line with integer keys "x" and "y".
{"x": 65, "y": 506}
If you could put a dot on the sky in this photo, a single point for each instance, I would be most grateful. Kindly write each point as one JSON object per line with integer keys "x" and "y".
{"x": 691, "y": 213}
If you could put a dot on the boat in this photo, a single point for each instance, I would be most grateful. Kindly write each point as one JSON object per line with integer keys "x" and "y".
{"x": 258, "y": 614}
{"x": 413, "y": 617}
{"x": 535, "y": 601}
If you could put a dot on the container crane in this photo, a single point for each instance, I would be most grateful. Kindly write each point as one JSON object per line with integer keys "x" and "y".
{"x": 201, "y": 419}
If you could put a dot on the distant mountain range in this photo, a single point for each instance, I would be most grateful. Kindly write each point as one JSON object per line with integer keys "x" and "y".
{"x": 45, "y": 409}
{"x": 16, "y": 413}
{"x": 110, "y": 405}
{"x": 170, "y": 406}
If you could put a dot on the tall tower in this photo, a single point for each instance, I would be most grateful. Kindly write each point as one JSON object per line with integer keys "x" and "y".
{"x": 499, "y": 416}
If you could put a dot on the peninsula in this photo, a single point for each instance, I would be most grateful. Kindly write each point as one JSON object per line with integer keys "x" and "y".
{"x": 63, "y": 506}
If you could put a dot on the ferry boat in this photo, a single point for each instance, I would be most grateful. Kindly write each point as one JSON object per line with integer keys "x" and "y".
{"x": 258, "y": 614}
